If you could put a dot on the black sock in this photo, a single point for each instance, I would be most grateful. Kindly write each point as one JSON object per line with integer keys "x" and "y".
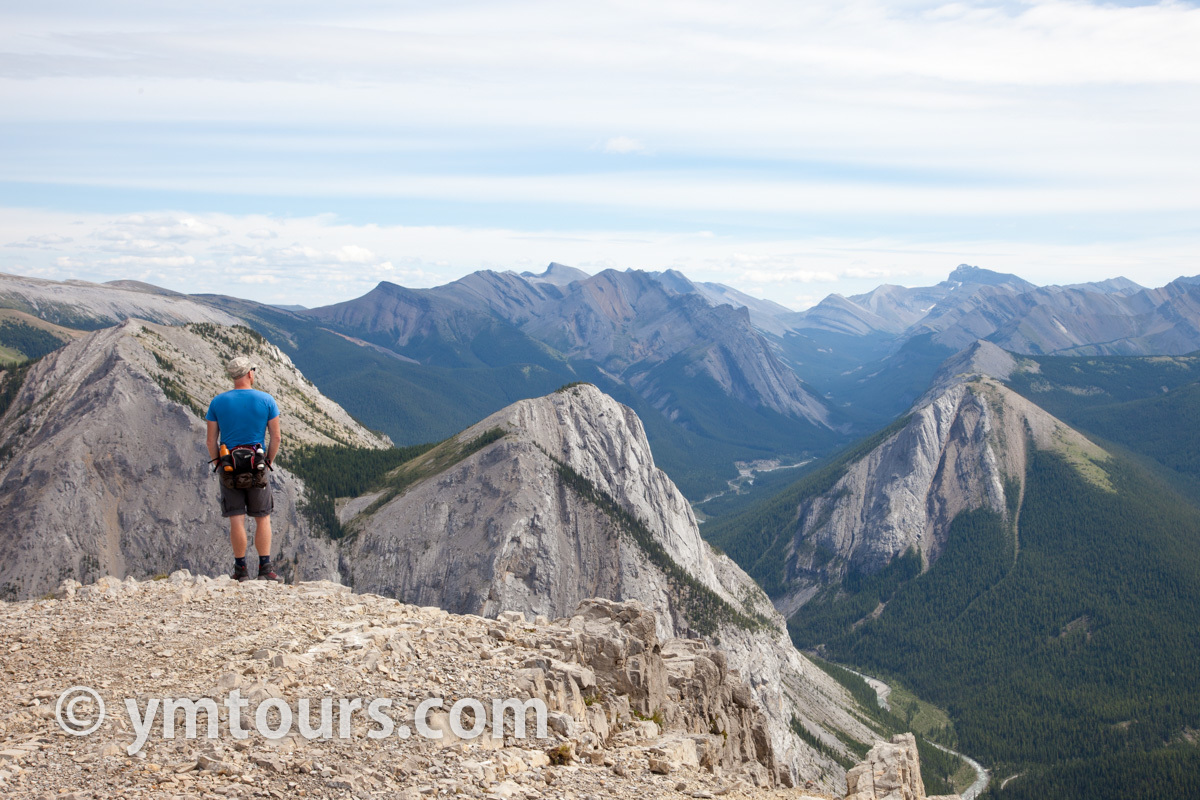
{"x": 240, "y": 563}
{"x": 263, "y": 561}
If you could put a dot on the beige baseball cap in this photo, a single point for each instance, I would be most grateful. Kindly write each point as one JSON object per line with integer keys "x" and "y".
{"x": 239, "y": 366}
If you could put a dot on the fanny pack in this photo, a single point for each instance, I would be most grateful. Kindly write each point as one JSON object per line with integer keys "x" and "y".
{"x": 243, "y": 467}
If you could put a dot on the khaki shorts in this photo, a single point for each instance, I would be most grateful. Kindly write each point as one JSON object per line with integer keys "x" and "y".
{"x": 256, "y": 502}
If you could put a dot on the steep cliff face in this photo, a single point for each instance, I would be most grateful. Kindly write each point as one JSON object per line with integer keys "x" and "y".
{"x": 103, "y": 467}
{"x": 567, "y": 504}
{"x": 964, "y": 446}
{"x": 504, "y": 529}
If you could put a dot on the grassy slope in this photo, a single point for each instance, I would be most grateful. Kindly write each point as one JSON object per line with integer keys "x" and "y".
{"x": 1149, "y": 407}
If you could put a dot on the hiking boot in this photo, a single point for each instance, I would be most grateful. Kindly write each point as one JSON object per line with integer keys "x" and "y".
{"x": 240, "y": 573}
{"x": 268, "y": 574}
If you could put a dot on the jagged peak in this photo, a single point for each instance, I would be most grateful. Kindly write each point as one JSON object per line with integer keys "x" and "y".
{"x": 675, "y": 281}
{"x": 969, "y": 274}
{"x": 981, "y": 357}
{"x": 558, "y": 274}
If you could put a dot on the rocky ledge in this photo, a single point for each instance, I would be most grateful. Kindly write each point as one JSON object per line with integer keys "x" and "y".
{"x": 627, "y": 714}
{"x": 891, "y": 771}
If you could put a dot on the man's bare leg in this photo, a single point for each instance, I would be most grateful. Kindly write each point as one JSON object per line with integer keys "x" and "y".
{"x": 262, "y": 536}
{"x": 237, "y": 535}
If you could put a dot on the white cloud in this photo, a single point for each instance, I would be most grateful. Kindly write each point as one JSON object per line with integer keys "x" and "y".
{"x": 963, "y": 109}
{"x": 47, "y": 241}
{"x": 258, "y": 278}
{"x": 170, "y": 228}
{"x": 873, "y": 273}
{"x": 624, "y": 145}
{"x": 147, "y": 261}
{"x": 353, "y": 254}
{"x": 51, "y": 239}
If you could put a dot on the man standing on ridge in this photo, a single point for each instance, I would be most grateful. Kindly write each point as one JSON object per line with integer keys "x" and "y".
{"x": 241, "y": 416}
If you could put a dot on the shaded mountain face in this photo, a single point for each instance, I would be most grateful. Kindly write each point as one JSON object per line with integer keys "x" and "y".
{"x": 422, "y": 364}
{"x": 896, "y": 309}
{"x": 103, "y": 467}
{"x": 1075, "y": 321}
{"x": 871, "y": 355}
{"x": 717, "y": 376}
{"x": 558, "y": 274}
{"x": 625, "y": 323}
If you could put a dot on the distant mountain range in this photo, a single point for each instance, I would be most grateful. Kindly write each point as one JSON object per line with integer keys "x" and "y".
{"x": 1111, "y": 317}
{"x": 717, "y": 376}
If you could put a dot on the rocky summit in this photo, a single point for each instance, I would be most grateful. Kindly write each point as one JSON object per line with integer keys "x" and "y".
{"x": 627, "y": 713}
{"x": 964, "y": 445}
{"x": 558, "y": 499}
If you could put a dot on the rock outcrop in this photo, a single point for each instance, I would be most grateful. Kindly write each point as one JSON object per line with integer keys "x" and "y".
{"x": 706, "y": 714}
{"x": 891, "y": 771}
{"x": 567, "y": 504}
{"x": 103, "y": 464}
{"x": 192, "y": 639}
{"x": 964, "y": 446}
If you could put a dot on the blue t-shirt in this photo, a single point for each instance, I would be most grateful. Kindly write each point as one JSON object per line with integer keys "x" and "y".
{"x": 242, "y": 415}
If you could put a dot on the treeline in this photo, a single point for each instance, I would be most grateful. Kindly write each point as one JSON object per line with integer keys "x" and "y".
{"x": 31, "y": 342}
{"x": 1083, "y": 650}
{"x": 411, "y": 402}
{"x": 1150, "y": 406}
{"x": 332, "y": 471}
{"x": 1064, "y": 385}
{"x": 11, "y": 380}
{"x": 1169, "y": 773}
{"x": 703, "y": 608}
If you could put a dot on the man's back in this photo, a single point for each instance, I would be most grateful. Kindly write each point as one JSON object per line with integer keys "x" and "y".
{"x": 242, "y": 415}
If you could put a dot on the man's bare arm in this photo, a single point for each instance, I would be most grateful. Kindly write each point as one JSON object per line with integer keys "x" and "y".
{"x": 273, "y": 447}
{"x": 212, "y": 439}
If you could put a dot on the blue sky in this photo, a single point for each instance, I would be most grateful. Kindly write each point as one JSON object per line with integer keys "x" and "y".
{"x": 301, "y": 152}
